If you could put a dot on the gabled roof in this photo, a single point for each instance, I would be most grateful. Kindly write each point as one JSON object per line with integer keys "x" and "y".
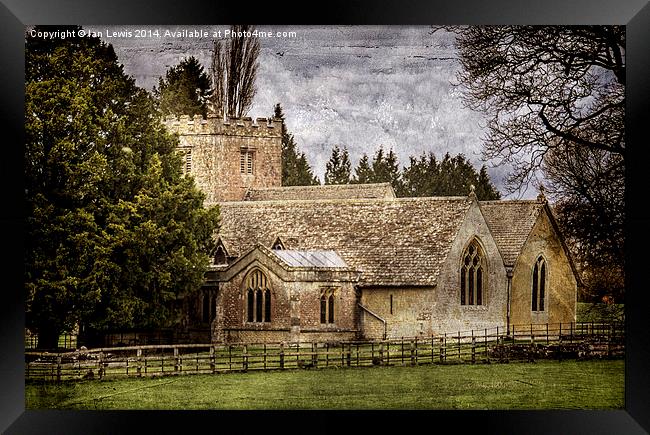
{"x": 341, "y": 191}
{"x": 510, "y": 223}
{"x": 392, "y": 242}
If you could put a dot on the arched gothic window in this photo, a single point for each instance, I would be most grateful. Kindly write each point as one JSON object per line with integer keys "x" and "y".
{"x": 472, "y": 273}
{"x": 258, "y": 297}
{"x": 327, "y": 306}
{"x": 539, "y": 284}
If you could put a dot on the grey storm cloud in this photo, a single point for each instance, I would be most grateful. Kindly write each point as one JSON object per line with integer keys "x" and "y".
{"x": 358, "y": 87}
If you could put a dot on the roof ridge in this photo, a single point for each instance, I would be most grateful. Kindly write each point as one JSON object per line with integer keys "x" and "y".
{"x": 511, "y": 201}
{"x": 321, "y": 186}
{"x": 347, "y": 200}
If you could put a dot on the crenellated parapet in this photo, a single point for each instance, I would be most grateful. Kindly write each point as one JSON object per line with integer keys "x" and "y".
{"x": 216, "y": 125}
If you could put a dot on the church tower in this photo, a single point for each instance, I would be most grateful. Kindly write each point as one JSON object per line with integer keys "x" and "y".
{"x": 228, "y": 157}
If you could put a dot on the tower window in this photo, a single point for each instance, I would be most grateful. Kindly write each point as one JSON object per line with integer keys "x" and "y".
{"x": 246, "y": 165}
{"x": 188, "y": 161}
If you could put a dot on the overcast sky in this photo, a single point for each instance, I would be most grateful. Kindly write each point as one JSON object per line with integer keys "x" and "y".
{"x": 354, "y": 86}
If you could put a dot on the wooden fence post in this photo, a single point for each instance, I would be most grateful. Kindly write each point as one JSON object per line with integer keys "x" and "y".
{"x": 58, "y": 369}
{"x": 473, "y": 348}
{"x": 381, "y": 353}
{"x": 282, "y": 356}
{"x": 486, "y": 345}
{"x": 314, "y": 354}
{"x": 177, "y": 362}
{"x": 442, "y": 347}
{"x": 348, "y": 355}
{"x": 388, "y": 353}
{"x": 100, "y": 372}
{"x": 213, "y": 362}
{"x": 244, "y": 358}
{"x": 459, "y": 345}
{"x": 413, "y": 345}
{"x": 138, "y": 354}
{"x": 327, "y": 354}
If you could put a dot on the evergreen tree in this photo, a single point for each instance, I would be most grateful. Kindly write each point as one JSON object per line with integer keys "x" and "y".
{"x": 485, "y": 190}
{"x": 385, "y": 169}
{"x": 453, "y": 176}
{"x": 338, "y": 168}
{"x": 184, "y": 90}
{"x": 115, "y": 235}
{"x": 363, "y": 172}
{"x": 295, "y": 168}
{"x": 421, "y": 176}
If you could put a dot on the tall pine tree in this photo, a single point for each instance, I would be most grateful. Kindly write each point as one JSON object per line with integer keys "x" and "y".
{"x": 184, "y": 90}
{"x": 295, "y": 168}
{"x": 338, "y": 167}
{"x": 363, "y": 172}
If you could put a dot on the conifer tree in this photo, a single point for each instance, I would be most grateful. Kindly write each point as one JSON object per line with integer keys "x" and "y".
{"x": 363, "y": 173}
{"x": 184, "y": 90}
{"x": 338, "y": 168}
{"x": 295, "y": 168}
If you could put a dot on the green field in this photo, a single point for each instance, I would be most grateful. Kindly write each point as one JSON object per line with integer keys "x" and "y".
{"x": 542, "y": 385}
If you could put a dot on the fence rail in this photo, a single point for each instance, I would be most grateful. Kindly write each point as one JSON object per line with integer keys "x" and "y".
{"x": 520, "y": 342}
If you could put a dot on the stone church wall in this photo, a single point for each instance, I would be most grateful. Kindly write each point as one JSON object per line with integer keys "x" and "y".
{"x": 561, "y": 286}
{"x": 448, "y": 313}
{"x": 295, "y": 309}
{"x": 409, "y": 316}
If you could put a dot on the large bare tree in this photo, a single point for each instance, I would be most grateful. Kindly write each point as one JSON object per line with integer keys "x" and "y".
{"x": 234, "y": 69}
{"x": 542, "y": 87}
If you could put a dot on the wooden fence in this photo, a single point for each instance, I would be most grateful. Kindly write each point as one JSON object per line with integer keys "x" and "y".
{"x": 575, "y": 340}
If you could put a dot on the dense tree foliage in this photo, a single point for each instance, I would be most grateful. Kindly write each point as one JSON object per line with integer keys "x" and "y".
{"x": 234, "y": 70}
{"x": 453, "y": 176}
{"x": 338, "y": 167}
{"x": 295, "y": 168}
{"x": 424, "y": 176}
{"x": 554, "y": 97}
{"x": 115, "y": 235}
{"x": 184, "y": 90}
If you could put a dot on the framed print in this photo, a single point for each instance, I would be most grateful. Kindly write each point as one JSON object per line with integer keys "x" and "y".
{"x": 426, "y": 209}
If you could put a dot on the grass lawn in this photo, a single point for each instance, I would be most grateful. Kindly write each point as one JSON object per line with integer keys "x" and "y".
{"x": 540, "y": 385}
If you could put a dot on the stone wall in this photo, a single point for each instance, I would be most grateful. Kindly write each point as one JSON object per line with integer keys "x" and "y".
{"x": 411, "y": 313}
{"x": 215, "y": 146}
{"x": 561, "y": 285}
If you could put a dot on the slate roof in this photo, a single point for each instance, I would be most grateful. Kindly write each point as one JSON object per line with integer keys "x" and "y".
{"x": 510, "y": 223}
{"x": 392, "y": 242}
{"x": 318, "y": 259}
{"x": 342, "y": 191}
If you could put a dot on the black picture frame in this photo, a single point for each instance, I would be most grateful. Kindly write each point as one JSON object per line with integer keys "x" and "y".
{"x": 16, "y": 14}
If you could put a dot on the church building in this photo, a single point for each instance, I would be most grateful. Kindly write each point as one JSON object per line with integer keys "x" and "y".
{"x": 342, "y": 262}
